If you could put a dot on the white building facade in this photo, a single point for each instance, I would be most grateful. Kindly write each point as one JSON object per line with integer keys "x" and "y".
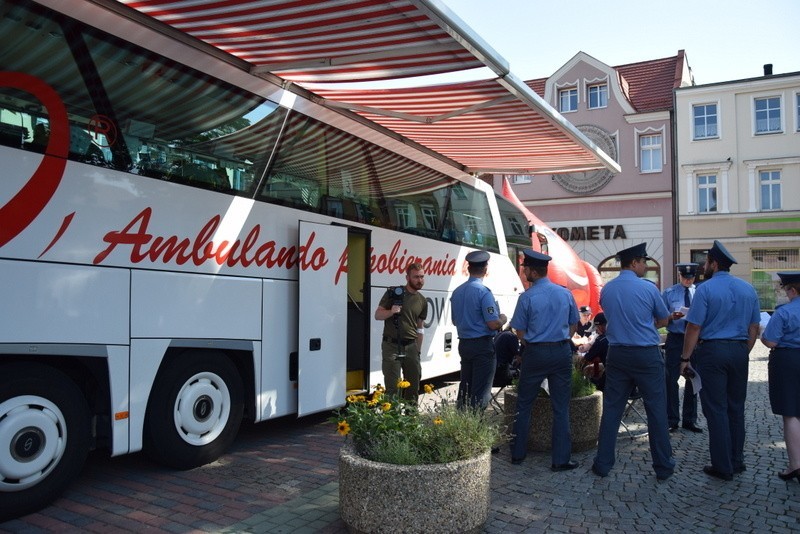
{"x": 738, "y": 150}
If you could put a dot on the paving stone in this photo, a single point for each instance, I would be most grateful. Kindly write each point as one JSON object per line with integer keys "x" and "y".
{"x": 281, "y": 476}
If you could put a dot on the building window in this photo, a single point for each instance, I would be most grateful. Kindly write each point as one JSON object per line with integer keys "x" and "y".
{"x": 699, "y": 257}
{"x": 768, "y": 115}
{"x": 429, "y": 217}
{"x": 405, "y": 215}
{"x": 598, "y": 96}
{"x": 770, "y": 190}
{"x": 797, "y": 118}
{"x": 705, "y": 121}
{"x": 765, "y": 263}
{"x": 650, "y": 153}
{"x": 522, "y": 179}
{"x": 707, "y": 193}
{"x": 568, "y": 100}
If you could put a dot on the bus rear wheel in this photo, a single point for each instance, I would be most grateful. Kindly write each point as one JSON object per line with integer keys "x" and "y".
{"x": 44, "y": 436}
{"x": 195, "y": 410}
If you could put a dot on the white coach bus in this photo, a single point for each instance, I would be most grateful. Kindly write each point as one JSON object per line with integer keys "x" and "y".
{"x": 183, "y": 245}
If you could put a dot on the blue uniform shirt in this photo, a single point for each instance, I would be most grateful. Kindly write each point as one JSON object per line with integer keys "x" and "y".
{"x": 674, "y": 300}
{"x": 473, "y": 306}
{"x": 724, "y": 307}
{"x": 784, "y": 325}
{"x": 545, "y": 312}
{"x": 631, "y": 304}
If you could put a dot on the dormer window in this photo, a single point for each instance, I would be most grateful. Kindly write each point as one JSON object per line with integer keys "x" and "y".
{"x": 598, "y": 96}
{"x": 568, "y": 100}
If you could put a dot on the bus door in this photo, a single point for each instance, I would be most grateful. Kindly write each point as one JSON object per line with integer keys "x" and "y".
{"x": 358, "y": 309}
{"x": 322, "y": 330}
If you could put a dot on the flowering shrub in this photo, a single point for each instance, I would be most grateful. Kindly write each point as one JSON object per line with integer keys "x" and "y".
{"x": 390, "y": 429}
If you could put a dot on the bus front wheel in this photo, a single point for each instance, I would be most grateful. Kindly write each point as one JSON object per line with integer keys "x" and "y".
{"x": 194, "y": 410}
{"x": 44, "y": 436}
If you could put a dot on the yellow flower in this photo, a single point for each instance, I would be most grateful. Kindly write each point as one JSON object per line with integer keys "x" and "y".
{"x": 372, "y": 402}
{"x": 343, "y": 428}
{"x": 386, "y": 406}
{"x": 379, "y": 389}
{"x": 428, "y": 388}
{"x": 403, "y": 384}
{"x": 351, "y": 399}
{"x": 438, "y": 421}
{"x": 361, "y": 398}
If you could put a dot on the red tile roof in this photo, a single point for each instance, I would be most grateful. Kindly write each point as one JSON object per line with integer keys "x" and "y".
{"x": 651, "y": 82}
{"x": 647, "y": 84}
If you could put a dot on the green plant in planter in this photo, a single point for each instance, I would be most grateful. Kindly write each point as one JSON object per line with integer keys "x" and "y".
{"x": 390, "y": 429}
{"x": 581, "y": 386}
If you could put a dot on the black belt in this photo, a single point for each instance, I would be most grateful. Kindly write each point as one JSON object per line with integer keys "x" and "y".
{"x": 401, "y": 342}
{"x": 675, "y": 334}
{"x": 475, "y": 338}
{"x": 721, "y": 341}
{"x": 548, "y": 343}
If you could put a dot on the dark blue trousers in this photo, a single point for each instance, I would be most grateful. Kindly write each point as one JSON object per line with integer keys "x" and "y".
{"x": 627, "y": 367}
{"x": 552, "y": 361}
{"x": 723, "y": 367}
{"x": 478, "y": 364}
{"x": 673, "y": 349}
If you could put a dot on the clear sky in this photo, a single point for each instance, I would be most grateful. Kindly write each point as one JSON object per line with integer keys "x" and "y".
{"x": 723, "y": 39}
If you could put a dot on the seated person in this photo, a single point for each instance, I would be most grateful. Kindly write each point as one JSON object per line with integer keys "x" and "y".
{"x": 584, "y": 329}
{"x": 506, "y": 349}
{"x": 594, "y": 360}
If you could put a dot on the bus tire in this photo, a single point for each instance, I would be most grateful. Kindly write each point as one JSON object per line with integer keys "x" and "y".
{"x": 45, "y": 436}
{"x": 194, "y": 411}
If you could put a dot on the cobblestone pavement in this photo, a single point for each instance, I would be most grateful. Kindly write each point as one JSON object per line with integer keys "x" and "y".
{"x": 281, "y": 476}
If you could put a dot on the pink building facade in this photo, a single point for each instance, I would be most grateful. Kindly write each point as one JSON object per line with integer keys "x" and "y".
{"x": 628, "y": 112}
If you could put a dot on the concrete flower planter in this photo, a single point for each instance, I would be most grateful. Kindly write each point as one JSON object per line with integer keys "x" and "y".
{"x": 584, "y": 421}
{"x": 379, "y": 497}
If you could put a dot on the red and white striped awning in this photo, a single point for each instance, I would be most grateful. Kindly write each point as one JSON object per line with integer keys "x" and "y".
{"x": 479, "y": 124}
{"x": 498, "y": 125}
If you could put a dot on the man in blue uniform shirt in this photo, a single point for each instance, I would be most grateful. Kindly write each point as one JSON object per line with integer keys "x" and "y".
{"x": 476, "y": 316}
{"x": 635, "y": 310}
{"x": 678, "y": 299}
{"x": 545, "y": 318}
{"x": 721, "y": 329}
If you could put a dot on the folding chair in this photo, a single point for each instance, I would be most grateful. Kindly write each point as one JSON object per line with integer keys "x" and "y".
{"x": 631, "y": 410}
{"x": 503, "y": 377}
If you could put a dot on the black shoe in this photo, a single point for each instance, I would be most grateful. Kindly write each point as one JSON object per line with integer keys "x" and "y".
{"x": 692, "y": 427}
{"x": 663, "y": 476}
{"x": 710, "y": 471}
{"x": 790, "y": 475}
{"x": 741, "y": 469}
{"x": 517, "y": 461}
{"x": 564, "y": 467}
{"x": 673, "y": 428}
{"x": 597, "y": 472}
{"x": 495, "y": 450}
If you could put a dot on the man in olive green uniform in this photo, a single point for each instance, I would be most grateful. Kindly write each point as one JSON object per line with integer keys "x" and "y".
{"x": 403, "y": 311}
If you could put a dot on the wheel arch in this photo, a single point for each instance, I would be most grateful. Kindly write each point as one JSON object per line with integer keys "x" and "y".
{"x": 90, "y": 375}
{"x": 241, "y": 356}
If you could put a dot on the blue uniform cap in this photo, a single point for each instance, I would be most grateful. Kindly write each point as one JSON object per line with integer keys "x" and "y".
{"x": 721, "y": 254}
{"x": 585, "y": 309}
{"x": 636, "y": 251}
{"x": 789, "y": 277}
{"x": 535, "y": 259}
{"x": 478, "y": 256}
{"x": 687, "y": 270}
